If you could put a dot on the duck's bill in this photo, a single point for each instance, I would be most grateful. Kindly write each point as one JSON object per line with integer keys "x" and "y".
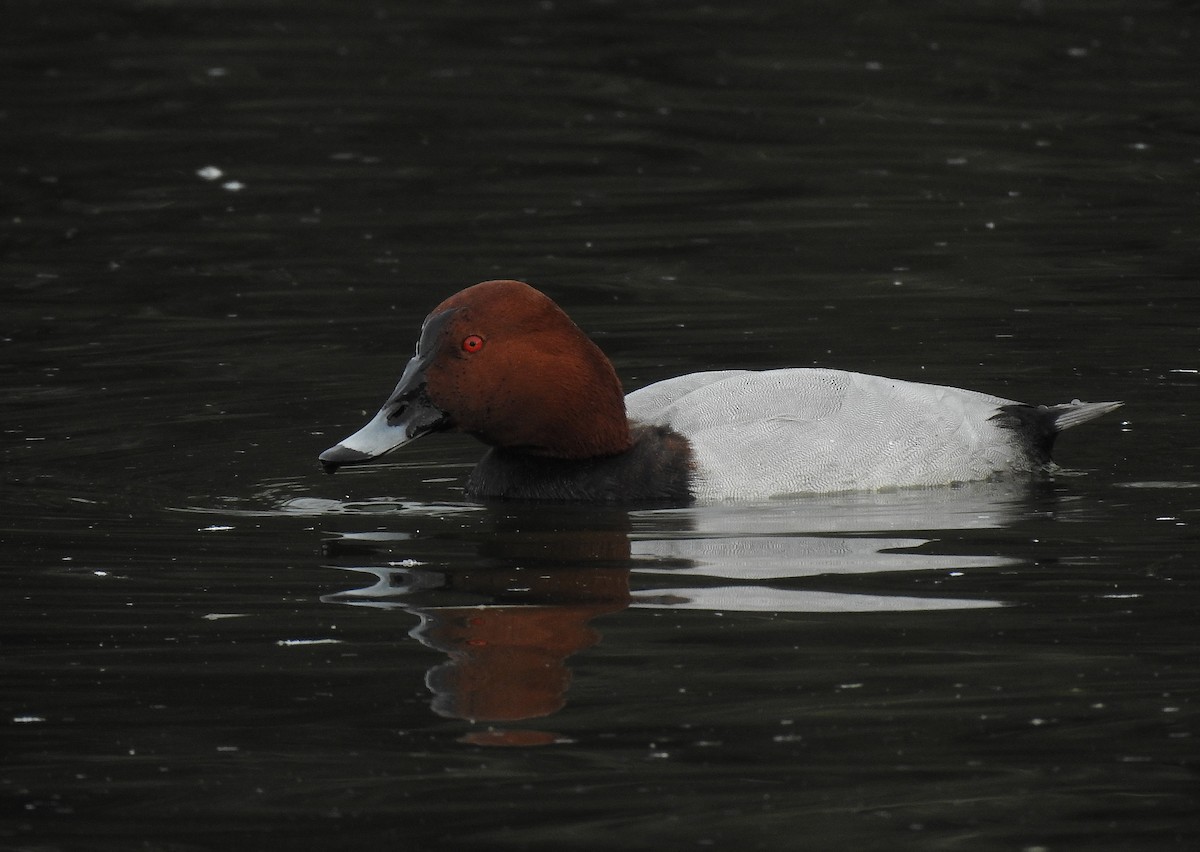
{"x": 407, "y": 415}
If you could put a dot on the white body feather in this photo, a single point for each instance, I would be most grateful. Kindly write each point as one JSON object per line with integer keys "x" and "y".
{"x": 764, "y": 434}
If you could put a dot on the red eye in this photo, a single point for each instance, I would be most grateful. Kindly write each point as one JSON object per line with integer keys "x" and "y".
{"x": 472, "y": 343}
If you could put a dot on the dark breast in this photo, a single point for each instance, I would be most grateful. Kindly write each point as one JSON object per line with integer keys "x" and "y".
{"x": 656, "y": 470}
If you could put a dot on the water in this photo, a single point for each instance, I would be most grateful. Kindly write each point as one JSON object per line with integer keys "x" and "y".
{"x": 223, "y": 225}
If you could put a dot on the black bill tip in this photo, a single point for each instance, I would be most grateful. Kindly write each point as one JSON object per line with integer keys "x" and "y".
{"x": 337, "y": 456}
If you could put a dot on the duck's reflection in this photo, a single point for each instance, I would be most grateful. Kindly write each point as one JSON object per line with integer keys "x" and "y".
{"x": 505, "y": 663}
{"x": 512, "y": 608}
{"x": 508, "y": 624}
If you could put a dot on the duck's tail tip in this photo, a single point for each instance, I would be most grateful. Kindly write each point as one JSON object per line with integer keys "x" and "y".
{"x": 1071, "y": 414}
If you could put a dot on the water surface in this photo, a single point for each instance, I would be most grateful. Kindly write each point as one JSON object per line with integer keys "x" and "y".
{"x": 223, "y": 226}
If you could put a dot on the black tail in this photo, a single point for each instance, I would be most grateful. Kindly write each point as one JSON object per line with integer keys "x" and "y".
{"x": 1040, "y": 424}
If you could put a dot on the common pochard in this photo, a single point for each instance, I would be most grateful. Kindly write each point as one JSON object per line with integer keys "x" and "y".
{"x": 501, "y": 361}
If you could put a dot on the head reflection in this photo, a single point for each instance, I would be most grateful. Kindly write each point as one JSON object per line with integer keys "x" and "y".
{"x": 509, "y": 623}
{"x": 505, "y": 663}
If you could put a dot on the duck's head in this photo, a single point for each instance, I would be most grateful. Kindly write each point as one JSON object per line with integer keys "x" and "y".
{"x": 500, "y": 361}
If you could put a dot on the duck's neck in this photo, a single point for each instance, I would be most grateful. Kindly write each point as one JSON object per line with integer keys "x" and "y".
{"x": 654, "y": 469}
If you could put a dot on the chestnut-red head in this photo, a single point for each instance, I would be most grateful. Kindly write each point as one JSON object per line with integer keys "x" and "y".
{"x": 501, "y": 361}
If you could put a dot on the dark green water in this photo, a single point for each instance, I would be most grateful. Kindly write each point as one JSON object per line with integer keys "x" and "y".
{"x": 208, "y": 644}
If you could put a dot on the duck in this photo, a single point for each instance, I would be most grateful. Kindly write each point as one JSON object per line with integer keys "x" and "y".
{"x": 501, "y": 361}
